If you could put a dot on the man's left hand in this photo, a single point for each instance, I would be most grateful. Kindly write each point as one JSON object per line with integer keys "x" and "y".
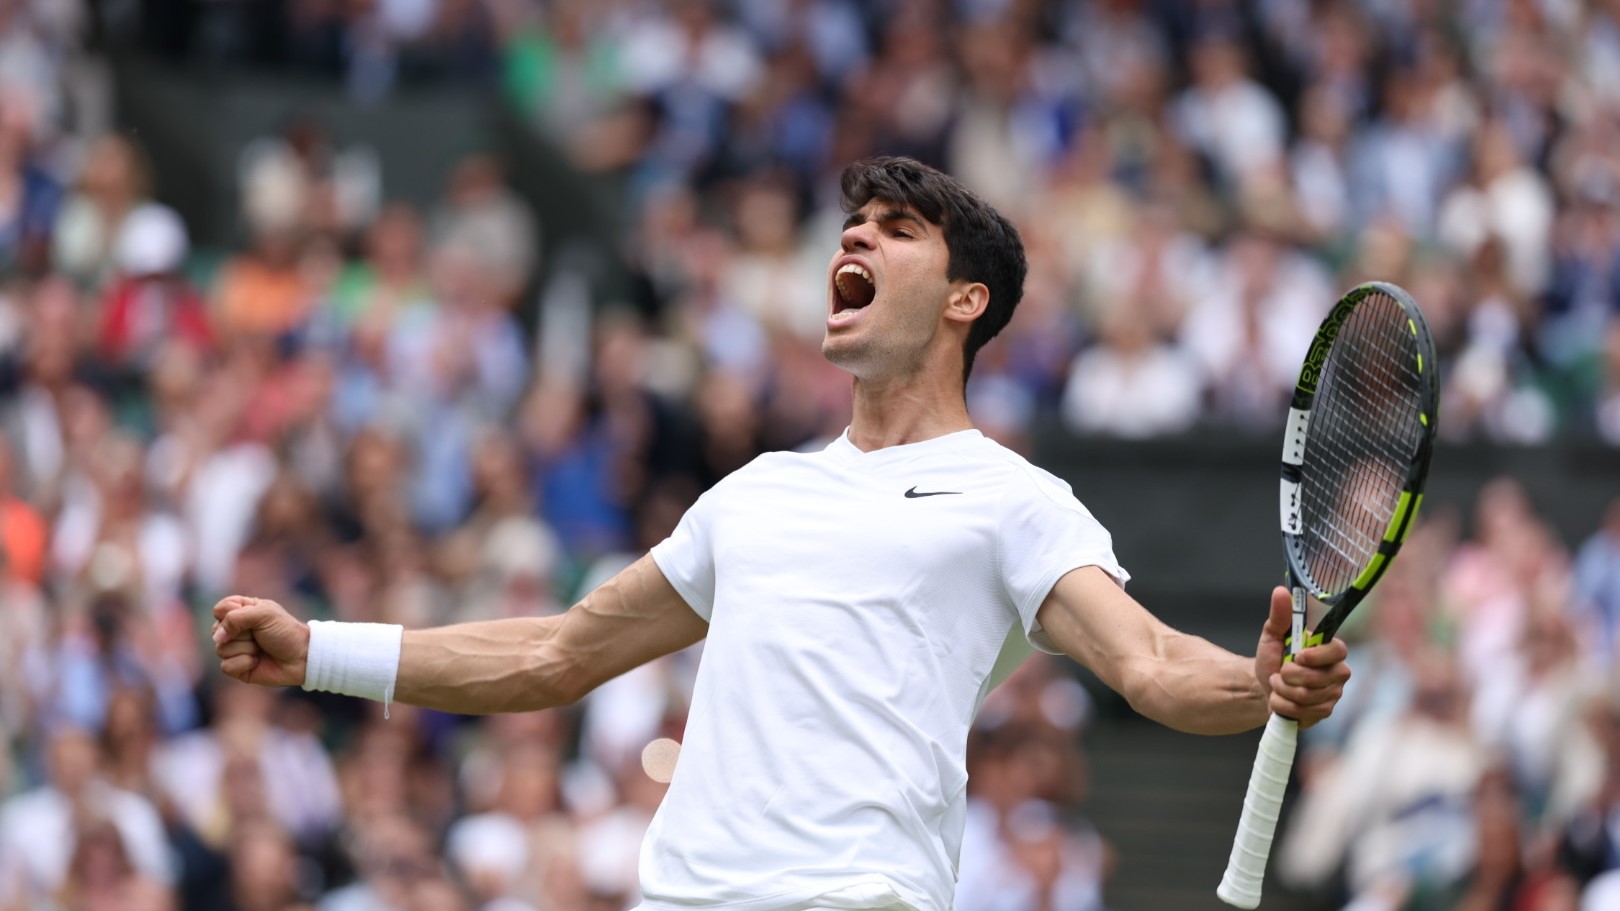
{"x": 1307, "y": 688}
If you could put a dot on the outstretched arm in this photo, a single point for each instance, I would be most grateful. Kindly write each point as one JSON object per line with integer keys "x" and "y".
{"x": 514, "y": 665}
{"x": 1183, "y": 681}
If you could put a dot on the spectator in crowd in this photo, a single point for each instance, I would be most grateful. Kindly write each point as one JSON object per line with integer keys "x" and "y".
{"x": 112, "y": 184}
{"x": 490, "y": 224}
{"x": 264, "y": 870}
{"x": 380, "y": 291}
{"x": 1395, "y": 806}
{"x": 78, "y": 834}
{"x": 1130, "y": 384}
{"x": 1225, "y": 115}
{"x": 1250, "y": 327}
{"x": 202, "y": 773}
{"x": 262, "y": 294}
{"x": 149, "y": 303}
{"x": 394, "y": 857}
{"x": 1586, "y": 842}
{"x": 29, "y": 196}
{"x": 101, "y": 877}
{"x": 563, "y": 69}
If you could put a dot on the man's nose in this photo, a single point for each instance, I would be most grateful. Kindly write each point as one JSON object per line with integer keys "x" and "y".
{"x": 858, "y": 237}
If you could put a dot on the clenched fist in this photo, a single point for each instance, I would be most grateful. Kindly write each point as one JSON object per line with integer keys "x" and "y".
{"x": 257, "y": 641}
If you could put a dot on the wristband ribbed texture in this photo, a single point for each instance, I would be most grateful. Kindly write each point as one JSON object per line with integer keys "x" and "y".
{"x": 354, "y": 659}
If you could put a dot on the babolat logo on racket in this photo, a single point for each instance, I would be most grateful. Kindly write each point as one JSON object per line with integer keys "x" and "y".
{"x": 1310, "y": 372}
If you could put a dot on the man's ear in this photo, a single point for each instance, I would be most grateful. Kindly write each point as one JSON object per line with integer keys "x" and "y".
{"x": 967, "y": 302}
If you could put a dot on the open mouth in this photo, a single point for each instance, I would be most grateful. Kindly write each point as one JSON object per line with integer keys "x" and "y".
{"x": 853, "y": 288}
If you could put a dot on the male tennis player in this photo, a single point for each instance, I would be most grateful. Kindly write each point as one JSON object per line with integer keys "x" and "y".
{"x": 855, "y": 601}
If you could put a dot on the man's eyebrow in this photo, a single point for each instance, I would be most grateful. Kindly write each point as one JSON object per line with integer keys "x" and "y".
{"x": 856, "y": 218}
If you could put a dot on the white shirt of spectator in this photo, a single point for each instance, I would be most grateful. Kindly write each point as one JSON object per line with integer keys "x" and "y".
{"x": 38, "y": 836}
{"x": 301, "y": 787}
{"x": 1240, "y": 125}
{"x": 858, "y": 605}
{"x": 1132, "y": 394}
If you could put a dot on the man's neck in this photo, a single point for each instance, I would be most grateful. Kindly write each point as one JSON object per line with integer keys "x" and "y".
{"x": 896, "y": 412}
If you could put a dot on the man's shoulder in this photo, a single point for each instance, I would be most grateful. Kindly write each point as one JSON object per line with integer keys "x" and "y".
{"x": 778, "y": 461}
{"x": 766, "y": 469}
{"x": 1028, "y": 488}
{"x": 1020, "y": 475}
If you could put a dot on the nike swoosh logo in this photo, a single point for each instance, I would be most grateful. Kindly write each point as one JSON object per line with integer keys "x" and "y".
{"x": 913, "y": 494}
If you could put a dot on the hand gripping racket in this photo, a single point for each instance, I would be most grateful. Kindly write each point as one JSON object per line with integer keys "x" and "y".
{"x": 1355, "y": 454}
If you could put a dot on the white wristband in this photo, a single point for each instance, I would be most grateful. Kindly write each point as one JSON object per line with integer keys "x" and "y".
{"x": 354, "y": 659}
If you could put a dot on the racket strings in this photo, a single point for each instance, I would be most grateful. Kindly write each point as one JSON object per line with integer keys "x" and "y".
{"x": 1364, "y": 431}
{"x": 1358, "y": 486}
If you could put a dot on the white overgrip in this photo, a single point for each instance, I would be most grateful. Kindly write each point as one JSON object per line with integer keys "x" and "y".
{"x": 1251, "y": 847}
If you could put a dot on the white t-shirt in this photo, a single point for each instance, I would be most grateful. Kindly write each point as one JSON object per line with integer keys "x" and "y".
{"x": 857, "y": 605}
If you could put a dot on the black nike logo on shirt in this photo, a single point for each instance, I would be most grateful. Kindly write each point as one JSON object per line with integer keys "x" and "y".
{"x": 913, "y": 493}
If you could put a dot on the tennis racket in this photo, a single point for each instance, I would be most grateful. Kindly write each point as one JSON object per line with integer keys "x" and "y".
{"x": 1355, "y": 455}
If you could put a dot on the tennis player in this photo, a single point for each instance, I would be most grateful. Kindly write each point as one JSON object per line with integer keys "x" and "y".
{"x": 855, "y": 601}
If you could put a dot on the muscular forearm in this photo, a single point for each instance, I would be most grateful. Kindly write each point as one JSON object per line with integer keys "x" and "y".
{"x": 481, "y": 668}
{"x": 1178, "y": 680}
{"x": 524, "y": 664}
{"x": 1195, "y": 686}
{"x": 1183, "y": 681}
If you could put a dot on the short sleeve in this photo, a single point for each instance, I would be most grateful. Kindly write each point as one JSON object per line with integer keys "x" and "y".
{"x": 1044, "y": 533}
{"x": 686, "y": 557}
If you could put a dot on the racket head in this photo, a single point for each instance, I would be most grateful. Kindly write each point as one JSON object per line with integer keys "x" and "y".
{"x": 1356, "y": 452}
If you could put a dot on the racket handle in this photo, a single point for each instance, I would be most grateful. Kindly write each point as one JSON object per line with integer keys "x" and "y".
{"x": 1251, "y": 846}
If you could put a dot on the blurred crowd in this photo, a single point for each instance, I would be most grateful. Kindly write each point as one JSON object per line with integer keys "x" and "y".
{"x": 370, "y": 410}
{"x": 1194, "y": 180}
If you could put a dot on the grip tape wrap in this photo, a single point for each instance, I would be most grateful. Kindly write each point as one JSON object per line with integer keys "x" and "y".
{"x": 1246, "y": 869}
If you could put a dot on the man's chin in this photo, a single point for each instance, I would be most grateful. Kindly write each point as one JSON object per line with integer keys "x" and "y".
{"x": 842, "y": 353}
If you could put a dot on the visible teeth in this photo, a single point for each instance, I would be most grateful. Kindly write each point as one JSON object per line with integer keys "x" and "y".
{"x": 857, "y": 269}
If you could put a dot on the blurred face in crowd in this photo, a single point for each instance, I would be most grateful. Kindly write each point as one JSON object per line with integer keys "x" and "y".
{"x": 888, "y": 294}
{"x": 397, "y": 856}
{"x": 263, "y": 867}
{"x": 1438, "y": 689}
{"x": 1217, "y": 63}
{"x": 113, "y": 173}
{"x": 129, "y": 719}
{"x": 395, "y": 241}
{"x": 766, "y": 218}
{"x": 72, "y": 760}
{"x": 99, "y": 860}
{"x": 529, "y": 782}
{"x": 1496, "y": 815}
{"x": 54, "y": 332}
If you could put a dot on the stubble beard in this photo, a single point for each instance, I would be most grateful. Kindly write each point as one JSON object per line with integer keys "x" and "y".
{"x": 848, "y": 355}
{"x": 869, "y": 358}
